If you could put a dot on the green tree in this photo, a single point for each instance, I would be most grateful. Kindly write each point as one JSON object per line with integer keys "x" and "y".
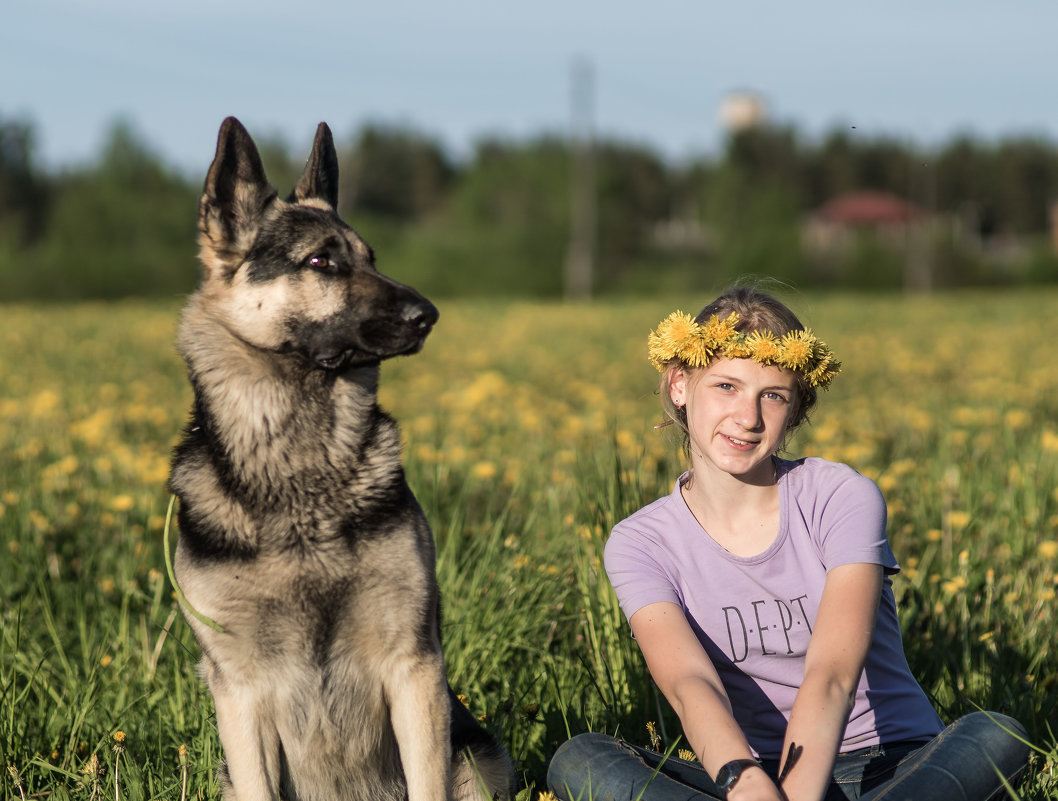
{"x": 24, "y": 190}
{"x": 123, "y": 227}
{"x": 394, "y": 173}
{"x": 502, "y": 230}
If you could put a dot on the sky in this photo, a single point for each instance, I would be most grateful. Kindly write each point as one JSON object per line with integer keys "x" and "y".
{"x": 463, "y": 70}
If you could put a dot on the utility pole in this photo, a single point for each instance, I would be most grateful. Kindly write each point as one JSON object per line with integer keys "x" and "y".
{"x": 580, "y": 258}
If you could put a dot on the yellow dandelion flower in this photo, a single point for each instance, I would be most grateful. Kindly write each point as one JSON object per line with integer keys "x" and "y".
{"x": 798, "y": 349}
{"x": 695, "y": 351}
{"x": 764, "y": 347}
{"x": 484, "y": 470}
{"x": 825, "y": 370}
{"x": 1049, "y": 441}
{"x": 122, "y": 503}
{"x": 119, "y": 737}
{"x": 687, "y": 755}
{"x": 1048, "y": 549}
{"x": 655, "y": 738}
{"x": 547, "y": 795}
{"x": 717, "y": 331}
{"x": 670, "y": 337}
{"x": 958, "y": 520}
{"x": 737, "y": 348}
{"x": 954, "y": 586}
{"x": 1017, "y": 419}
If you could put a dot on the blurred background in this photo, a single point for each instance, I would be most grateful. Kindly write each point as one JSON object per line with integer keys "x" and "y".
{"x": 547, "y": 150}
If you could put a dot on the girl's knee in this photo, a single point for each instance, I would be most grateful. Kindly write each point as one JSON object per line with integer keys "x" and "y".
{"x": 1002, "y": 737}
{"x": 996, "y": 724}
{"x": 567, "y": 767}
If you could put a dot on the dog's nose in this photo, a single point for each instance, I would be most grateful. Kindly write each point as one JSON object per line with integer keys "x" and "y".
{"x": 420, "y": 314}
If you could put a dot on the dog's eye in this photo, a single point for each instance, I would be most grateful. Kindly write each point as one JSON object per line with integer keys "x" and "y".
{"x": 320, "y": 262}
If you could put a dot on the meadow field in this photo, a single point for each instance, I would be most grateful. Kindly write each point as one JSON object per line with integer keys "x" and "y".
{"x": 529, "y": 431}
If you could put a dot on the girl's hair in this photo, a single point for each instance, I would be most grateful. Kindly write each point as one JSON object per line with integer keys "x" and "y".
{"x": 757, "y": 311}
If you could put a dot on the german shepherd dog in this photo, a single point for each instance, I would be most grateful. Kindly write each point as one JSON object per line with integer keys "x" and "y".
{"x": 299, "y": 537}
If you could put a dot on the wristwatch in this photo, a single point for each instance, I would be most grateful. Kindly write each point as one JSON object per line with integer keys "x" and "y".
{"x": 730, "y": 773}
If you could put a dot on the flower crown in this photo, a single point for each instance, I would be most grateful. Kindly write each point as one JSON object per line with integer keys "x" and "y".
{"x": 678, "y": 336}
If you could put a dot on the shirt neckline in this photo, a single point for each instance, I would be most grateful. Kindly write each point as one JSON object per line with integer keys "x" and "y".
{"x": 782, "y": 468}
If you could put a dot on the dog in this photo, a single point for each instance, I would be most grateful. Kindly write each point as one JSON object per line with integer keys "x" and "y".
{"x": 306, "y": 564}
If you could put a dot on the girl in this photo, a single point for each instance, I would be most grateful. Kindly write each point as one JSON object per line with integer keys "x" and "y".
{"x": 759, "y": 593}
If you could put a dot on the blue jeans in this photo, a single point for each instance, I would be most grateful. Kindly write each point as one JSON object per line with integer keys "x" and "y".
{"x": 962, "y": 763}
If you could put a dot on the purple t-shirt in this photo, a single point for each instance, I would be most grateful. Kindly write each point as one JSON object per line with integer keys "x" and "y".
{"x": 754, "y": 615}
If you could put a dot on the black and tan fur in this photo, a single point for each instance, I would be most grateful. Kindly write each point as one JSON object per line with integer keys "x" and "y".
{"x": 298, "y": 533}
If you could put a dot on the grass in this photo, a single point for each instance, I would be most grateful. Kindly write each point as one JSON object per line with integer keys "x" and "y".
{"x": 529, "y": 432}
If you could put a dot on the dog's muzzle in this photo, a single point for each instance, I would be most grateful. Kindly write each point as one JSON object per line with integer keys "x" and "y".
{"x": 384, "y": 337}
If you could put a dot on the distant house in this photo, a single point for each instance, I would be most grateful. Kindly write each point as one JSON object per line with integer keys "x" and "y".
{"x": 831, "y": 233}
{"x": 885, "y": 214}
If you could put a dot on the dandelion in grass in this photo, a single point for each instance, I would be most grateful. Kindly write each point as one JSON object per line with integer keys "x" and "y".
{"x": 957, "y": 521}
{"x": 1049, "y": 441}
{"x": 655, "y": 738}
{"x": 122, "y": 503}
{"x": 954, "y": 586}
{"x": 16, "y": 777}
{"x": 531, "y": 711}
{"x": 181, "y": 754}
{"x": 484, "y": 470}
{"x": 119, "y": 749}
{"x": 92, "y": 771}
{"x": 1048, "y": 549}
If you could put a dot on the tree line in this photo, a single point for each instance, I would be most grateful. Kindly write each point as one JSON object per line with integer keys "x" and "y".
{"x": 499, "y": 222}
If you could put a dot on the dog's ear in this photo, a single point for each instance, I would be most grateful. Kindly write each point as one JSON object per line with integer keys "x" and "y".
{"x": 320, "y": 179}
{"x": 234, "y": 198}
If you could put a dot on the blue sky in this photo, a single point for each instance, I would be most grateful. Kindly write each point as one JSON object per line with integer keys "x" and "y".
{"x": 463, "y": 69}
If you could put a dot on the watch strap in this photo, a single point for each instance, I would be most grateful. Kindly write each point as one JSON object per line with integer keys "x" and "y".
{"x": 729, "y": 774}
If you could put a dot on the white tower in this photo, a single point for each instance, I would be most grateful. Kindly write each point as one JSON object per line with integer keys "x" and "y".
{"x": 743, "y": 110}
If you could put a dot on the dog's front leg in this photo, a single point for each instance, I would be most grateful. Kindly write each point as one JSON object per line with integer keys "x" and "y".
{"x": 250, "y": 742}
{"x": 420, "y": 715}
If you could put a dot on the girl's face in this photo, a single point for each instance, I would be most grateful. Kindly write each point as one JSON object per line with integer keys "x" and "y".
{"x": 737, "y": 415}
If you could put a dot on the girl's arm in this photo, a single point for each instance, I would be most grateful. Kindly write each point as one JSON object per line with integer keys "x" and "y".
{"x": 833, "y": 666}
{"x": 685, "y": 674}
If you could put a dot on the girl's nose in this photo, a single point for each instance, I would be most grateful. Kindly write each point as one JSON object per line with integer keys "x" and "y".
{"x": 748, "y": 415}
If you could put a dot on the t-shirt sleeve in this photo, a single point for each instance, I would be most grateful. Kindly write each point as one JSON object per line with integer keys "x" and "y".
{"x": 633, "y": 565}
{"x": 852, "y": 523}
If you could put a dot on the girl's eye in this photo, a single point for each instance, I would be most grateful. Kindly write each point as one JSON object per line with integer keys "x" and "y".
{"x": 775, "y": 396}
